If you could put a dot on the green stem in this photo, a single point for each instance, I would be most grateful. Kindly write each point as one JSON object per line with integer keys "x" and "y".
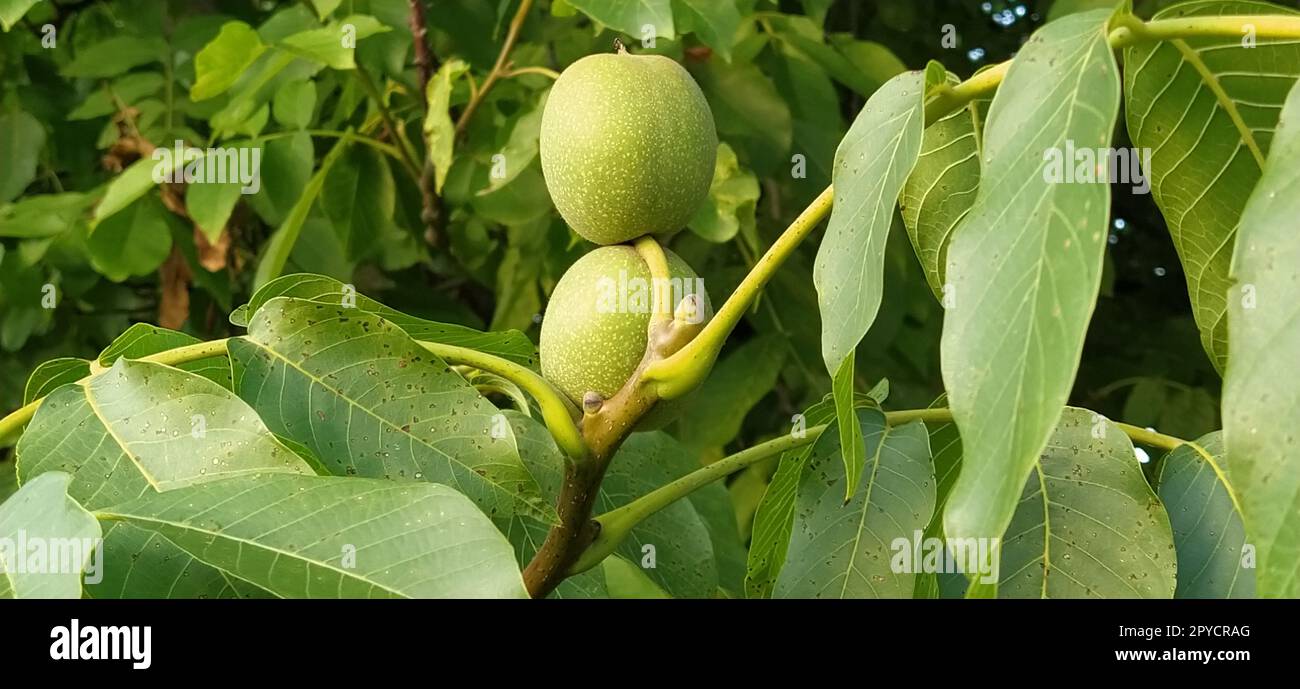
{"x": 1264, "y": 26}
{"x": 543, "y": 71}
{"x": 616, "y": 524}
{"x": 680, "y": 373}
{"x": 404, "y": 147}
{"x": 499, "y": 69}
{"x": 558, "y": 412}
{"x": 387, "y": 149}
{"x": 1128, "y": 30}
{"x": 14, "y": 422}
{"x": 1150, "y": 438}
{"x": 660, "y": 277}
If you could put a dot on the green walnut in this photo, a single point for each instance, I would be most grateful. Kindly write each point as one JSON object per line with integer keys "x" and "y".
{"x": 595, "y": 330}
{"x": 627, "y": 146}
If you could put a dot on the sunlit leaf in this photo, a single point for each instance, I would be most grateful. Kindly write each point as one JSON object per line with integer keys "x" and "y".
{"x": 1261, "y": 403}
{"x": 1024, "y": 268}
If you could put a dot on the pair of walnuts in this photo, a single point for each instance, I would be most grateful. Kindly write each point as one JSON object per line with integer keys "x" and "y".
{"x": 627, "y": 147}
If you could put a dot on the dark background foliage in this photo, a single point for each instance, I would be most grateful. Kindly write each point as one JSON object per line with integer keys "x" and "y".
{"x": 494, "y": 254}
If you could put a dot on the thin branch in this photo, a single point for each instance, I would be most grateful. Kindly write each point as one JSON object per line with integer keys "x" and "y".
{"x": 605, "y": 424}
{"x": 543, "y": 71}
{"x": 498, "y": 70}
{"x": 431, "y": 213}
{"x": 1128, "y": 30}
{"x": 403, "y": 146}
{"x": 424, "y": 61}
{"x": 14, "y": 422}
{"x": 616, "y": 524}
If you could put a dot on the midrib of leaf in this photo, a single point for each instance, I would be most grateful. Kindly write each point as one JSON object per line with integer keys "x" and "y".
{"x": 129, "y": 518}
{"x": 244, "y": 541}
{"x": 862, "y": 518}
{"x": 229, "y": 577}
{"x": 1223, "y": 532}
{"x": 874, "y": 202}
{"x": 1219, "y": 473}
{"x": 1047, "y": 533}
{"x": 353, "y": 404}
{"x": 1047, "y": 526}
{"x": 108, "y": 428}
{"x": 1229, "y": 106}
{"x": 1081, "y": 55}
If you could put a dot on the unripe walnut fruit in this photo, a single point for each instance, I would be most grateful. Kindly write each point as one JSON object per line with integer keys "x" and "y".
{"x": 595, "y": 330}
{"x": 627, "y": 146}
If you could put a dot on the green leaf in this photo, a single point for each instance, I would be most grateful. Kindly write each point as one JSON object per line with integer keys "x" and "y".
{"x": 871, "y": 165}
{"x": 1207, "y": 108}
{"x": 1261, "y": 403}
{"x": 319, "y": 536}
{"x": 1209, "y": 537}
{"x": 942, "y": 186}
{"x": 53, "y": 373}
{"x": 714, "y": 21}
{"x": 748, "y": 112}
{"x": 1061, "y": 8}
{"x": 132, "y": 243}
{"x": 52, "y": 525}
{"x": 146, "y": 565}
{"x": 806, "y": 37}
{"x": 114, "y": 56}
{"x": 246, "y": 108}
{"x": 21, "y": 139}
{"x": 325, "y": 8}
{"x": 676, "y": 539}
{"x": 774, "y": 517}
{"x": 141, "y": 427}
{"x": 631, "y": 18}
{"x": 333, "y": 45}
{"x": 1087, "y": 524}
{"x": 44, "y": 215}
{"x": 359, "y": 199}
{"x": 439, "y": 130}
{"x": 945, "y": 451}
{"x": 628, "y": 581}
{"x": 127, "y": 188}
{"x": 224, "y": 59}
{"x": 286, "y": 172}
{"x": 713, "y": 504}
{"x": 847, "y": 550}
{"x": 873, "y": 60}
{"x": 210, "y": 206}
{"x": 521, "y": 147}
{"x": 1024, "y": 268}
{"x": 11, "y": 11}
{"x": 732, "y": 201}
{"x": 281, "y": 244}
{"x": 142, "y": 339}
{"x": 369, "y": 401}
{"x": 293, "y": 105}
{"x": 128, "y": 89}
{"x": 510, "y": 344}
{"x": 8, "y": 479}
{"x": 711, "y": 417}
{"x": 850, "y": 432}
